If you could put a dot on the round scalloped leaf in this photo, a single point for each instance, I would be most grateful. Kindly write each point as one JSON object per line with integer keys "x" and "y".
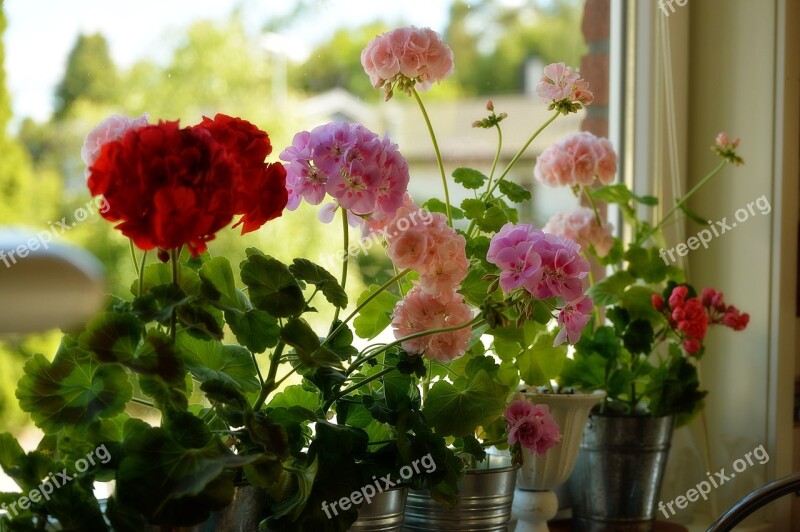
{"x": 73, "y": 390}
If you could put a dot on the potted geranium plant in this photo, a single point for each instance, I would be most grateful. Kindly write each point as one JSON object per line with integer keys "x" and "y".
{"x": 206, "y": 351}
{"x": 644, "y": 341}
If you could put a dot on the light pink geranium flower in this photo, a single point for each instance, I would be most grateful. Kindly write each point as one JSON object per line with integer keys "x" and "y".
{"x": 424, "y": 242}
{"x": 408, "y": 57}
{"x": 577, "y": 160}
{"x": 112, "y": 128}
{"x": 581, "y": 226}
{"x": 421, "y": 311}
{"x": 531, "y": 426}
{"x": 561, "y": 83}
{"x": 572, "y": 319}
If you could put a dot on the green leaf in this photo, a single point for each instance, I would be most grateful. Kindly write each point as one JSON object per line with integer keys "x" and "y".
{"x": 638, "y": 337}
{"x": 160, "y": 303}
{"x": 218, "y": 284}
{"x": 112, "y": 336}
{"x": 541, "y": 361}
{"x": 494, "y": 219}
{"x": 457, "y": 409}
{"x": 255, "y": 329}
{"x": 692, "y": 215}
{"x": 637, "y": 300}
{"x": 160, "y": 274}
{"x": 176, "y": 475}
{"x": 646, "y": 264}
{"x": 473, "y": 287}
{"x": 305, "y": 270}
{"x": 296, "y": 395}
{"x": 73, "y": 390}
{"x": 299, "y": 334}
{"x": 272, "y": 287}
{"x": 213, "y": 360}
{"x": 469, "y": 178}
{"x": 437, "y": 205}
{"x": 377, "y": 315}
{"x": 514, "y": 192}
{"x": 617, "y": 193}
{"x": 609, "y": 290}
{"x": 473, "y": 208}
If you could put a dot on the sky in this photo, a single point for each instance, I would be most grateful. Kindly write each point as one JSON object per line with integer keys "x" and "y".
{"x": 40, "y": 33}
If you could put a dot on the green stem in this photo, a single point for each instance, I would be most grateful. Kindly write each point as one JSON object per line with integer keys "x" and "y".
{"x": 270, "y": 384}
{"x": 594, "y": 206}
{"x": 280, "y": 381}
{"x": 141, "y": 273}
{"x": 496, "y": 155}
{"x": 681, "y": 201}
{"x": 359, "y": 384}
{"x": 176, "y": 280}
{"x": 438, "y": 155}
{"x": 345, "y": 256}
{"x": 367, "y": 301}
{"x": 494, "y": 442}
{"x": 521, "y": 151}
{"x": 133, "y": 257}
{"x": 142, "y": 402}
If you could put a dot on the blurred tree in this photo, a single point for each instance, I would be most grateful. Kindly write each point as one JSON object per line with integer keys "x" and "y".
{"x": 337, "y": 63}
{"x": 90, "y": 74}
{"x": 492, "y": 41}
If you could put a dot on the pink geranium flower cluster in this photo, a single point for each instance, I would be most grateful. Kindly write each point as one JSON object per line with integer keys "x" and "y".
{"x": 581, "y": 226}
{"x": 691, "y": 317}
{"x": 362, "y": 172}
{"x": 547, "y": 266}
{"x": 408, "y": 58}
{"x": 438, "y": 254}
{"x": 561, "y": 85}
{"x": 531, "y": 426}
{"x": 577, "y": 160}
{"x": 110, "y": 129}
{"x": 421, "y": 311}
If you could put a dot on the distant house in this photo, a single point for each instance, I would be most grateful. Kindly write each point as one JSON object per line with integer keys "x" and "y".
{"x": 459, "y": 143}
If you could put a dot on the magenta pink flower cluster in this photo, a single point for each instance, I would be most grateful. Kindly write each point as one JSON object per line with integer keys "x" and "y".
{"x": 407, "y": 57}
{"x": 531, "y": 426}
{"x": 110, "y": 129}
{"x": 362, "y": 172}
{"x": 577, "y": 160}
{"x": 561, "y": 83}
{"x": 547, "y": 266}
{"x": 581, "y": 225}
{"x": 438, "y": 254}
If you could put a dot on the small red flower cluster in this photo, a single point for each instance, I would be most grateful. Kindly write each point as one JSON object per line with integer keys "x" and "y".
{"x": 170, "y": 186}
{"x": 690, "y": 318}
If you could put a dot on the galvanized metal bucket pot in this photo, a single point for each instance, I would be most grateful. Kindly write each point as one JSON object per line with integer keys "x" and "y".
{"x": 485, "y": 497}
{"x": 617, "y": 478}
{"x": 384, "y": 514}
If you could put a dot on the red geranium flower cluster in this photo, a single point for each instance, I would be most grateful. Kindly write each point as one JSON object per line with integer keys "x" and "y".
{"x": 690, "y": 318}
{"x": 170, "y": 186}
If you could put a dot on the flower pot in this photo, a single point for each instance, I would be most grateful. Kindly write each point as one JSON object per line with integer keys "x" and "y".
{"x": 383, "y": 514}
{"x": 534, "y": 501}
{"x": 484, "y": 503}
{"x": 243, "y": 514}
{"x": 617, "y": 480}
